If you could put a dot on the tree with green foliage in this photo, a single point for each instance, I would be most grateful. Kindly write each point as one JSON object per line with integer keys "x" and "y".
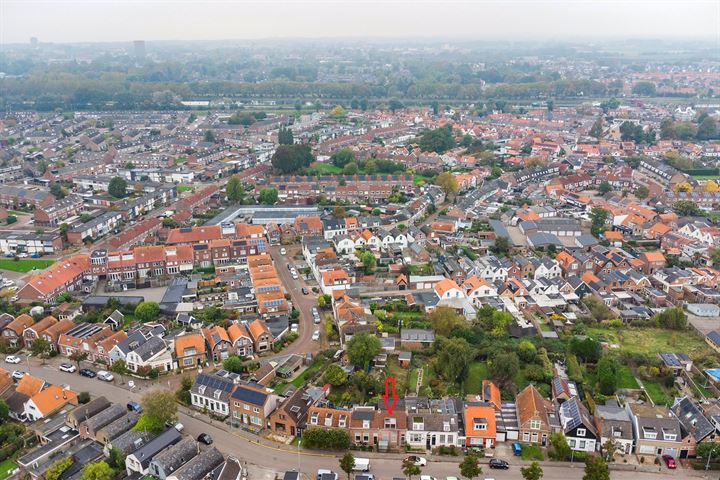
{"x": 587, "y": 349}
{"x": 4, "y": 411}
{"x": 347, "y": 463}
{"x": 362, "y": 348}
{"x": 448, "y": 183}
{"x": 527, "y": 351}
{"x": 97, "y": 471}
{"x": 504, "y": 367}
{"x": 116, "y": 459}
{"x": 470, "y": 467}
{"x": 234, "y": 190}
{"x": 642, "y": 192}
{"x": 394, "y": 105}
{"x": 58, "y": 468}
{"x": 532, "y": 472}
{"x": 335, "y": 375}
{"x": 233, "y": 364}
{"x": 209, "y": 136}
{"x": 268, "y": 196}
{"x": 285, "y": 136}
{"x": 78, "y": 356}
{"x": 410, "y": 468}
{"x": 597, "y": 129}
{"x": 57, "y": 191}
{"x": 351, "y": 169}
{"x": 452, "y": 358}
{"x": 596, "y": 468}
{"x": 117, "y": 187}
{"x": 147, "y": 311}
{"x": 644, "y": 89}
{"x": 368, "y": 260}
{"x": 607, "y": 374}
{"x": 159, "y": 408}
{"x": 672, "y": 318}
{"x": 342, "y": 157}
{"x": 604, "y": 187}
{"x": 338, "y": 211}
{"x": 598, "y": 218}
{"x": 559, "y": 448}
{"x": 707, "y": 130}
{"x": 40, "y": 348}
{"x": 291, "y": 158}
{"x": 501, "y": 246}
{"x": 686, "y": 208}
{"x": 438, "y": 140}
{"x": 494, "y": 322}
{"x": 445, "y": 319}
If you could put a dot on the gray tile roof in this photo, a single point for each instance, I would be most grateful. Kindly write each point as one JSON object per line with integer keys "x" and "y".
{"x": 199, "y": 466}
{"x": 177, "y": 455}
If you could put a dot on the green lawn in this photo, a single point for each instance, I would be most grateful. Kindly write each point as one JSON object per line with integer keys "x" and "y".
{"x": 652, "y": 340}
{"x": 24, "y": 266}
{"x": 324, "y": 169}
{"x": 705, "y": 177}
{"x": 532, "y": 452}
{"x": 476, "y": 374}
{"x": 183, "y": 188}
{"x": 626, "y": 379}
{"x": 301, "y": 379}
{"x": 657, "y": 393}
{"x": 394, "y": 370}
{"x": 418, "y": 179}
{"x": 6, "y": 467}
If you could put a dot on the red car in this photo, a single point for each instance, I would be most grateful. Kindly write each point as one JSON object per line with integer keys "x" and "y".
{"x": 669, "y": 461}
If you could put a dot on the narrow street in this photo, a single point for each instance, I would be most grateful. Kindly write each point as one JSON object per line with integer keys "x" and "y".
{"x": 265, "y": 458}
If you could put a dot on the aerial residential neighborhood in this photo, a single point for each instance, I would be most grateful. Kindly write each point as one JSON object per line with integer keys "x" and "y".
{"x": 231, "y": 260}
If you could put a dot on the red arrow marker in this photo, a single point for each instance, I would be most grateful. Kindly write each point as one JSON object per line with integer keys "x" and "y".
{"x": 390, "y": 392}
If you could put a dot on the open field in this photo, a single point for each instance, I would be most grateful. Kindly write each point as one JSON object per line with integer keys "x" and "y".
{"x": 24, "y": 266}
{"x": 477, "y": 372}
{"x": 324, "y": 169}
{"x": 651, "y": 340}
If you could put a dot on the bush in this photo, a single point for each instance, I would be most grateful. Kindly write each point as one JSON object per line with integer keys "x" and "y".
{"x": 330, "y": 439}
{"x": 83, "y": 397}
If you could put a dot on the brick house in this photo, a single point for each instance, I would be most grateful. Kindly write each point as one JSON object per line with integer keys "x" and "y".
{"x": 190, "y": 350}
{"x": 536, "y": 416}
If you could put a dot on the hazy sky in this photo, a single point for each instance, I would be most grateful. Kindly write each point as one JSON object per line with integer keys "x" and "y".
{"x": 114, "y": 20}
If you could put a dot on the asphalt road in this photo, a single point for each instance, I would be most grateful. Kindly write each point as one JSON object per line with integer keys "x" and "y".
{"x": 264, "y": 459}
{"x": 304, "y": 303}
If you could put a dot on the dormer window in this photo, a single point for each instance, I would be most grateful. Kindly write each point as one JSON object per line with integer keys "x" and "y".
{"x": 201, "y": 389}
{"x": 390, "y": 423}
{"x": 650, "y": 433}
{"x": 366, "y": 423}
{"x": 314, "y": 418}
{"x": 479, "y": 424}
{"x": 342, "y": 421}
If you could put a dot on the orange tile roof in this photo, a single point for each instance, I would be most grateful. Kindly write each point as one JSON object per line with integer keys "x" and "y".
{"x": 20, "y": 323}
{"x": 53, "y": 398}
{"x": 44, "y": 324}
{"x": 184, "y": 342}
{"x": 150, "y": 254}
{"x": 237, "y": 330}
{"x": 494, "y": 393}
{"x": 258, "y": 328}
{"x": 445, "y": 285}
{"x": 211, "y": 333}
{"x": 194, "y": 234}
{"x": 653, "y": 256}
{"x": 29, "y": 385}
{"x": 613, "y": 235}
{"x": 59, "y": 274}
{"x": 484, "y": 412}
{"x": 59, "y": 328}
{"x": 529, "y": 402}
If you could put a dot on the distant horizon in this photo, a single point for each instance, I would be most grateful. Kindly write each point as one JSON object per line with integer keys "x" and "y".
{"x": 112, "y": 21}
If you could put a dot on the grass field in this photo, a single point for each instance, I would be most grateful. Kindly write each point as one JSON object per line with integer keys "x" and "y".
{"x": 24, "y": 266}
{"x": 418, "y": 179}
{"x": 657, "y": 393}
{"x": 652, "y": 340}
{"x": 393, "y": 369}
{"x": 626, "y": 379}
{"x": 706, "y": 177}
{"x": 532, "y": 452}
{"x": 324, "y": 169}
{"x": 183, "y": 188}
{"x": 6, "y": 467}
{"x": 476, "y": 374}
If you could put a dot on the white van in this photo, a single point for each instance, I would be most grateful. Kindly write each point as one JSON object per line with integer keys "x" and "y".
{"x": 361, "y": 465}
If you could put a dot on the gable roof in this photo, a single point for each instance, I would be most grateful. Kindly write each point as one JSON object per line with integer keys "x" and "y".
{"x": 193, "y": 340}
{"x": 530, "y": 403}
{"x": 53, "y": 398}
{"x": 29, "y": 385}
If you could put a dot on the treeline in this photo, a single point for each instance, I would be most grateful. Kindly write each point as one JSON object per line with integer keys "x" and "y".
{"x": 77, "y": 92}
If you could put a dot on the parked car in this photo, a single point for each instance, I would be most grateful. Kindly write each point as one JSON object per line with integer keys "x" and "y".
{"x": 86, "y": 372}
{"x": 17, "y": 374}
{"x": 427, "y": 477}
{"x": 23, "y": 255}
{"x": 295, "y": 276}
{"x": 134, "y": 406}
{"x": 499, "y": 464}
{"x": 517, "y": 449}
{"x": 7, "y": 283}
{"x": 205, "y": 438}
{"x": 12, "y": 359}
{"x": 179, "y": 427}
{"x": 305, "y": 291}
{"x": 419, "y": 461}
{"x": 67, "y": 367}
{"x": 105, "y": 376}
{"x": 283, "y": 251}
{"x": 14, "y": 299}
{"x": 316, "y": 335}
{"x": 294, "y": 328}
{"x": 361, "y": 465}
{"x": 669, "y": 461}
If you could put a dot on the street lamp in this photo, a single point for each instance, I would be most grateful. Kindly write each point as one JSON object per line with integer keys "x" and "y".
{"x": 298, "y": 454}
{"x": 707, "y": 464}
